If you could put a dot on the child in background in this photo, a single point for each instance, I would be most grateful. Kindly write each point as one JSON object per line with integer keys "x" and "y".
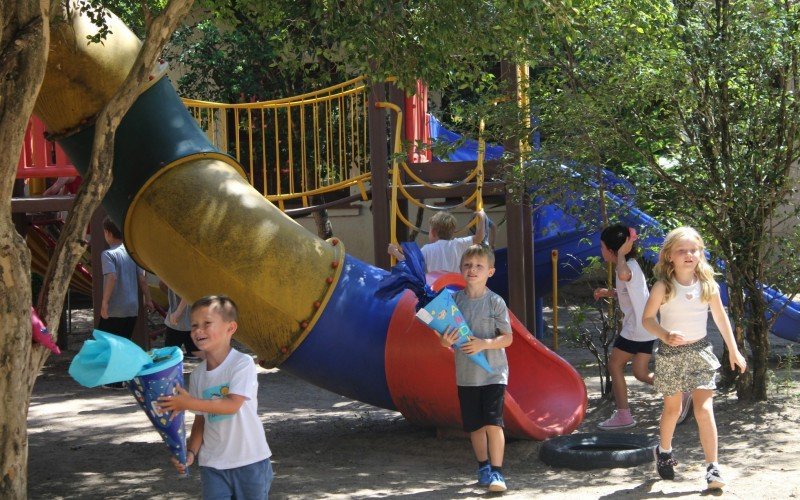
{"x": 178, "y": 323}
{"x": 482, "y": 394}
{"x": 122, "y": 282}
{"x": 227, "y": 436}
{"x": 633, "y": 343}
{"x": 685, "y": 361}
{"x": 443, "y": 253}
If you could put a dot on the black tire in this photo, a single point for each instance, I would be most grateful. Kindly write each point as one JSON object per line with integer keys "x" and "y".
{"x": 598, "y": 451}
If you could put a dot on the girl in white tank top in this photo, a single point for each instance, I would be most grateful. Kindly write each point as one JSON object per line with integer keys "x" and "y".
{"x": 684, "y": 293}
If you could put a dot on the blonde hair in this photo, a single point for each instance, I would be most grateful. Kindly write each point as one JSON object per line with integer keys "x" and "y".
{"x": 444, "y": 223}
{"x": 664, "y": 270}
{"x": 479, "y": 251}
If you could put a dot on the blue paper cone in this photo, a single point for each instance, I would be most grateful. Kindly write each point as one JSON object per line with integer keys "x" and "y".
{"x": 161, "y": 378}
{"x": 441, "y": 313}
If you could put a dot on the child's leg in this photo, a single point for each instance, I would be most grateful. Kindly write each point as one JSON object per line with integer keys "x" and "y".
{"x": 641, "y": 368}
{"x": 706, "y": 424}
{"x": 480, "y": 444}
{"x": 616, "y": 367}
{"x": 497, "y": 444}
{"x": 669, "y": 418}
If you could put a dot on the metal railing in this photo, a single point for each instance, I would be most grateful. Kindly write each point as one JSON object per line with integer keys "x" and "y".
{"x": 298, "y": 147}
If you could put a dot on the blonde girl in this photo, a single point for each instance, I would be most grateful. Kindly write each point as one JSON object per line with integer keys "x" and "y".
{"x": 683, "y": 295}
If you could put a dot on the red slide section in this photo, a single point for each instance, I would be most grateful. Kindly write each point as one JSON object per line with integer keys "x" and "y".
{"x": 545, "y": 397}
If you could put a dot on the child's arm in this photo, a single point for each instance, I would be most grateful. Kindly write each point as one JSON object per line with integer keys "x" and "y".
{"x": 193, "y": 444}
{"x": 623, "y": 271}
{"x": 175, "y": 317}
{"x": 480, "y": 228}
{"x": 145, "y": 288}
{"x": 181, "y": 401}
{"x": 109, "y": 282}
{"x": 649, "y": 321}
{"x": 604, "y": 293}
{"x": 476, "y": 345}
{"x": 724, "y": 325}
{"x": 396, "y": 251}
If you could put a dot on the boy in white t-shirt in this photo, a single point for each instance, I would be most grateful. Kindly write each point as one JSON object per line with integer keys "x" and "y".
{"x": 443, "y": 252}
{"x": 227, "y": 436}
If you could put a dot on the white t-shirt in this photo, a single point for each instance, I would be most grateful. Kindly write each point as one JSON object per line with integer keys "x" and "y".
{"x": 632, "y": 296}
{"x": 686, "y": 313}
{"x": 445, "y": 255}
{"x": 230, "y": 441}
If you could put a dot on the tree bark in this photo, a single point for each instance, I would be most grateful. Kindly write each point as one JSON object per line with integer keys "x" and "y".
{"x": 24, "y": 44}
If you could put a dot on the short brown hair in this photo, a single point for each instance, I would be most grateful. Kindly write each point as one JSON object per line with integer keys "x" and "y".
{"x": 479, "y": 251}
{"x": 221, "y": 303}
{"x": 444, "y": 223}
{"x": 112, "y": 228}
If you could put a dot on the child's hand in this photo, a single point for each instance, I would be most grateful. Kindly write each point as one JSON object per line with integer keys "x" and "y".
{"x": 179, "y": 402}
{"x": 181, "y": 468}
{"x": 604, "y": 293}
{"x": 473, "y": 346}
{"x": 449, "y": 337}
{"x": 395, "y": 251}
{"x": 174, "y": 318}
{"x": 737, "y": 360}
{"x": 674, "y": 339}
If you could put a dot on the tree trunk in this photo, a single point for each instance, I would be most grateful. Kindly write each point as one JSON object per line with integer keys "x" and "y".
{"x": 24, "y": 45}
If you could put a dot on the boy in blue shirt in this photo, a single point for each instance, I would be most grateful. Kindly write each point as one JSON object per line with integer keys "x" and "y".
{"x": 227, "y": 436}
{"x": 482, "y": 394}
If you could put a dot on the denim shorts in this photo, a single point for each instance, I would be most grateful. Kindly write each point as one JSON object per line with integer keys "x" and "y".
{"x": 248, "y": 482}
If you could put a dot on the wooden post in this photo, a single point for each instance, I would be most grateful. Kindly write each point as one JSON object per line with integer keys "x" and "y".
{"x": 378, "y": 160}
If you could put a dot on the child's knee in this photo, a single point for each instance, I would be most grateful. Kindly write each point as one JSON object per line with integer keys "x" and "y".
{"x": 642, "y": 374}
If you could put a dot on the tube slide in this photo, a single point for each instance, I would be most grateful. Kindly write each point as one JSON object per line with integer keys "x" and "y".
{"x": 555, "y": 229}
{"x": 189, "y": 215}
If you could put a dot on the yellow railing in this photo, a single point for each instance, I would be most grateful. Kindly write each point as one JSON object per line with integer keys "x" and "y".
{"x": 399, "y": 189}
{"x": 298, "y": 147}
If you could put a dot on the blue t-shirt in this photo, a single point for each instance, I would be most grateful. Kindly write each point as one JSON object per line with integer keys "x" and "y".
{"x": 124, "y": 300}
{"x": 486, "y": 316}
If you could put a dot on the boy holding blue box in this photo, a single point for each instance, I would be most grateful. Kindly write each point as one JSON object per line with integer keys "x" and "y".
{"x": 481, "y": 394}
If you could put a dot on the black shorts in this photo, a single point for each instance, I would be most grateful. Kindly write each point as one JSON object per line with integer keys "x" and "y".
{"x": 481, "y": 406}
{"x": 179, "y": 338}
{"x": 118, "y": 326}
{"x": 634, "y": 347}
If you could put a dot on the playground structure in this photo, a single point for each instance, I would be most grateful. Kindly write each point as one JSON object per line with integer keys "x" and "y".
{"x": 224, "y": 234}
{"x": 190, "y": 215}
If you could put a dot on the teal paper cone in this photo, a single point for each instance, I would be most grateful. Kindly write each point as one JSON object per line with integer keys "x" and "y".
{"x": 107, "y": 359}
{"x": 441, "y": 313}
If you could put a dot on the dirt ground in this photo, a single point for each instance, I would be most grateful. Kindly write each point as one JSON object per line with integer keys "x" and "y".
{"x": 96, "y": 443}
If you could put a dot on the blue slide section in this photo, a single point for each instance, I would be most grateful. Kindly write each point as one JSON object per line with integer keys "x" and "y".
{"x": 339, "y": 352}
{"x": 555, "y": 229}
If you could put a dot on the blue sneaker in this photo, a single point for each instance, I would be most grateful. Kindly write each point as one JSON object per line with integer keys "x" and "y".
{"x": 497, "y": 482}
{"x": 485, "y": 475}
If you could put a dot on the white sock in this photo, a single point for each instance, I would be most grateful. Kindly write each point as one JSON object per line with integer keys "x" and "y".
{"x": 662, "y": 450}
{"x": 715, "y": 464}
